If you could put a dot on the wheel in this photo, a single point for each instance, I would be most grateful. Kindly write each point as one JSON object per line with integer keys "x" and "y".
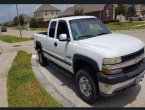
{"x": 87, "y": 85}
{"x": 42, "y": 59}
{"x": 130, "y": 20}
{"x": 140, "y": 19}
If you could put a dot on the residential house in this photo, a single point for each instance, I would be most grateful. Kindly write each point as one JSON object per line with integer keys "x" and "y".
{"x": 105, "y": 12}
{"x": 140, "y": 9}
{"x": 46, "y": 12}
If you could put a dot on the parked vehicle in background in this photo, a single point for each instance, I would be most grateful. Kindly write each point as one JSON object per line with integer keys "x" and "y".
{"x": 3, "y": 29}
{"x": 137, "y": 18}
{"x": 103, "y": 63}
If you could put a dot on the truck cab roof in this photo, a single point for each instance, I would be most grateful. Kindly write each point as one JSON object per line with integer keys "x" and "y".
{"x": 72, "y": 18}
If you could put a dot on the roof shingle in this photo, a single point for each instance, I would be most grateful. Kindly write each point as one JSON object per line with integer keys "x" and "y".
{"x": 86, "y": 9}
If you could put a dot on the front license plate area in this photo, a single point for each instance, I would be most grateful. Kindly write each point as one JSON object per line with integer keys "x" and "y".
{"x": 139, "y": 78}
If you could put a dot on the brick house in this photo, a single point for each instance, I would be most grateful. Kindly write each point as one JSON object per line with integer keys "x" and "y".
{"x": 105, "y": 12}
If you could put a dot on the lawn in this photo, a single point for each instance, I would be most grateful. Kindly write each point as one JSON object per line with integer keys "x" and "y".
{"x": 125, "y": 26}
{"x": 39, "y": 29}
{"x": 13, "y": 39}
{"x": 23, "y": 88}
{"x": 23, "y": 28}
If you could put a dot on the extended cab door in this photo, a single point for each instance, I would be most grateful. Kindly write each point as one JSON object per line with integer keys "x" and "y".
{"x": 51, "y": 37}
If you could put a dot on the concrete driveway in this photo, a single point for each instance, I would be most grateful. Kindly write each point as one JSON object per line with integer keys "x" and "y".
{"x": 62, "y": 87}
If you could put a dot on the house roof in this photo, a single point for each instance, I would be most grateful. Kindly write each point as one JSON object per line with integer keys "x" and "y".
{"x": 90, "y": 7}
{"x": 86, "y": 9}
{"x": 69, "y": 11}
{"x": 45, "y": 7}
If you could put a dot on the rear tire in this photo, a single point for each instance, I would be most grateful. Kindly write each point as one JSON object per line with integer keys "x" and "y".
{"x": 42, "y": 59}
{"x": 87, "y": 85}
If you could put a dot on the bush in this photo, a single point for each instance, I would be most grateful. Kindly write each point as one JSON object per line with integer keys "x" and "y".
{"x": 33, "y": 23}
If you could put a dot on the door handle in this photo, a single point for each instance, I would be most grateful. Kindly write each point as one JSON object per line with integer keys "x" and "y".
{"x": 55, "y": 44}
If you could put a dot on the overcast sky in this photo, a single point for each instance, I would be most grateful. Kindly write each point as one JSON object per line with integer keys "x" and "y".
{"x": 8, "y": 11}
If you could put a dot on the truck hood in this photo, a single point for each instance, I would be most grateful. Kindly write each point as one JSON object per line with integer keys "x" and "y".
{"x": 113, "y": 44}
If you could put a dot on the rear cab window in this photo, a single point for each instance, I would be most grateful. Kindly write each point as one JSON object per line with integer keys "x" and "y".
{"x": 52, "y": 29}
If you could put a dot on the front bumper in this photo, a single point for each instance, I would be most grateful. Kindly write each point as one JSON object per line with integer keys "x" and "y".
{"x": 113, "y": 84}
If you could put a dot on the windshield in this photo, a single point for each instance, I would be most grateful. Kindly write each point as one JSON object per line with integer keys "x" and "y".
{"x": 87, "y": 28}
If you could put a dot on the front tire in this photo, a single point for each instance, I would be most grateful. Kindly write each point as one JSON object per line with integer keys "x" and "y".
{"x": 42, "y": 59}
{"x": 87, "y": 85}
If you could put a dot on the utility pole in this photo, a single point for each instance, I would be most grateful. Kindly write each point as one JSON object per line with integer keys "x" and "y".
{"x": 19, "y": 21}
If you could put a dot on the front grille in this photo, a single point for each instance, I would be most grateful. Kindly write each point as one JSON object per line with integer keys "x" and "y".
{"x": 132, "y": 67}
{"x": 132, "y": 55}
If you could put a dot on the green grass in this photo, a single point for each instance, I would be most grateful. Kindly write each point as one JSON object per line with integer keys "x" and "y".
{"x": 39, "y": 29}
{"x": 17, "y": 27}
{"x": 125, "y": 26}
{"x": 13, "y": 39}
{"x": 23, "y": 28}
{"x": 23, "y": 88}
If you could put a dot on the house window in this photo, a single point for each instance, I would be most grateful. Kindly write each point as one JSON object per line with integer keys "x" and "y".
{"x": 107, "y": 13}
{"x": 46, "y": 13}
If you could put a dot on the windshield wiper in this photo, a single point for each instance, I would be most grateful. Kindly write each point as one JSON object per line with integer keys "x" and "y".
{"x": 102, "y": 33}
{"x": 85, "y": 36}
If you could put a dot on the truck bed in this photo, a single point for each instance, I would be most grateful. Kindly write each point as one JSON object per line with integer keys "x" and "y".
{"x": 44, "y": 33}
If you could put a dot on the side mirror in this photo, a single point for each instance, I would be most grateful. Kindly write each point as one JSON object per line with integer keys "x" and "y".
{"x": 63, "y": 37}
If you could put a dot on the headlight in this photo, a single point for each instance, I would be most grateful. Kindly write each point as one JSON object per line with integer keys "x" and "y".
{"x": 107, "y": 62}
{"x": 112, "y": 60}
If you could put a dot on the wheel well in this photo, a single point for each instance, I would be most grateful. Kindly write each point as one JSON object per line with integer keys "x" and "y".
{"x": 38, "y": 45}
{"x": 78, "y": 64}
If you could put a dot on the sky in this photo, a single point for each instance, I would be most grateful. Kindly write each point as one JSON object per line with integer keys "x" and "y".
{"x": 8, "y": 11}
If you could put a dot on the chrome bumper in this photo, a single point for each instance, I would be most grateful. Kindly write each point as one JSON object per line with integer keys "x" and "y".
{"x": 112, "y": 89}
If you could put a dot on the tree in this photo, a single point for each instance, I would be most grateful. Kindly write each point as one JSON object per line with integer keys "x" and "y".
{"x": 33, "y": 23}
{"x": 132, "y": 10}
{"x": 78, "y": 12}
{"x": 122, "y": 9}
{"x": 21, "y": 18}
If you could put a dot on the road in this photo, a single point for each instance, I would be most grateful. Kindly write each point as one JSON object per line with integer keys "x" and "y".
{"x": 136, "y": 33}
{"x": 28, "y": 34}
{"x": 62, "y": 87}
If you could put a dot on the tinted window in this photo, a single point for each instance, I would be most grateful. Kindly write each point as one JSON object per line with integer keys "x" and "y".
{"x": 52, "y": 29}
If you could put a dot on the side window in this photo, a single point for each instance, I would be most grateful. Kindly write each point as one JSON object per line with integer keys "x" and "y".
{"x": 62, "y": 28}
{"x": 52, "y": 29}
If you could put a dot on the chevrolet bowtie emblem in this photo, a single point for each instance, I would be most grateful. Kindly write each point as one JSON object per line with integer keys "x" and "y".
{"x": 137, "y": 59}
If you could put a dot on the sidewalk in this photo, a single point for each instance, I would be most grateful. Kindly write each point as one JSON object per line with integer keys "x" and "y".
{"x": 7, "y": 54}
{"x": 6, "y": 59}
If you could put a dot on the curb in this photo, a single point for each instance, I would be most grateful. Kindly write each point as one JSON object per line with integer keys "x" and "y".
{"x": 49, "y": 87}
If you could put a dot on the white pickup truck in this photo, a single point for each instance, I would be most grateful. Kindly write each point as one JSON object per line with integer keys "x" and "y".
{"x": 103, "y": 63}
